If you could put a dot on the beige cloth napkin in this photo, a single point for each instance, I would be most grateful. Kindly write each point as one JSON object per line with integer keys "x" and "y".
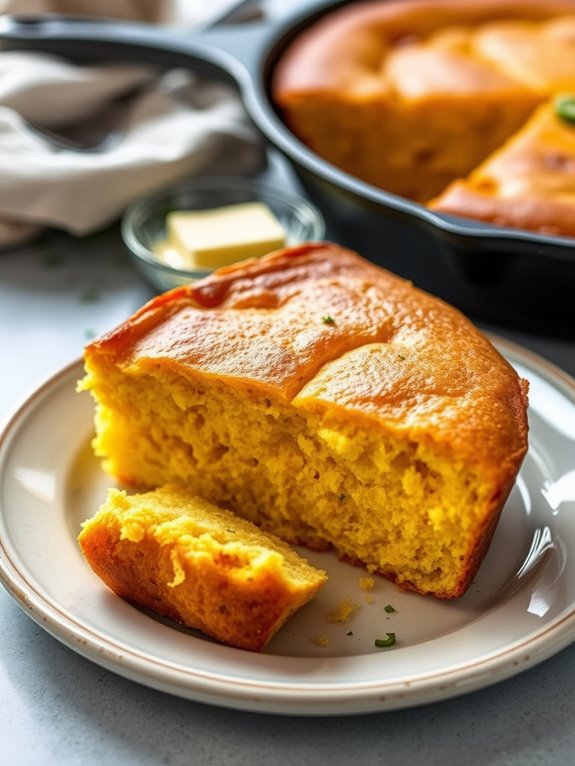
{"x": 159, "y": 128}
{"x": 140, "y": 10}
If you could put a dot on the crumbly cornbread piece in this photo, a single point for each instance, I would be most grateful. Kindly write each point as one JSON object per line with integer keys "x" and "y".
{"x": 344, "y": 610}
{"x": 184, "y": 558}
{"x": 411, "y": 95}
{"x": 529, "y": 183}
{"x": 328, "y": 401}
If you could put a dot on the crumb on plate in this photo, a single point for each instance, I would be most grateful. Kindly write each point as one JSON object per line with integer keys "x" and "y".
{"x": 344, "y": 611}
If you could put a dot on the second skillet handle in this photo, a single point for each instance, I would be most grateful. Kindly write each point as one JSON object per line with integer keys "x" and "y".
{"x": 225, "y": 53}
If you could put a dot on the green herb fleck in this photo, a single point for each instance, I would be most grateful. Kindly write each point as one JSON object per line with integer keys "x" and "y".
{"x": 388, "y": 608}
{"x": 565, "y": 108}
{"x": 89, "y": 296}
{"x": 383, "y": 643}
{"x": 400, "y": 356}
{"x": 328, "y": 320}
{"x": 341, "y": 497}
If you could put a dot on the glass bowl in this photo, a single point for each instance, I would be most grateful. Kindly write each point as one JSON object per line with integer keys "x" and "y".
{"x": 144, "y": 222}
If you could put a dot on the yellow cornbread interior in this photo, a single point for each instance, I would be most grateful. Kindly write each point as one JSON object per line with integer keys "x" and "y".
{"x": 195, "y": 529}
{"x": 201, "y": 565}
{"x": 405, "y": 508}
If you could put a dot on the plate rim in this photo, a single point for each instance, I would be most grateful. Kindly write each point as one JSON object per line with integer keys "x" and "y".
{"x": 255, "y": 695}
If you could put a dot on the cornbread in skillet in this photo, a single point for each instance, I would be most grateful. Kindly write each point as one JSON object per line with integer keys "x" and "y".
{"x": 184, "y": 558}
{"x": 529, "y": 183}
{"x": 410, "y": 95}
{"x": 326, "y": 400}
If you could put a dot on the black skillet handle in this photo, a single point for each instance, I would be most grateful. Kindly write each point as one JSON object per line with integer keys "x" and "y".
{"x": 226, "y": 53}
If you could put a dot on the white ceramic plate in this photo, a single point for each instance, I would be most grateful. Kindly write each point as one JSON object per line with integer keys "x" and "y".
{"x": 519, "y": 611}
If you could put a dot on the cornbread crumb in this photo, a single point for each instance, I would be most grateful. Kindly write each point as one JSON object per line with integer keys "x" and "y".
{"x": 368, "y": 598}
{"x": 322, "y": 640}
{"x": 344, "y": 611}
{"x": 366, "y": 583}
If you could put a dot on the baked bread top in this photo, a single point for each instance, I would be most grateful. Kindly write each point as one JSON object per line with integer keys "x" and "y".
{"x": 414, "y": 49}
{"x": 321, "y": 327}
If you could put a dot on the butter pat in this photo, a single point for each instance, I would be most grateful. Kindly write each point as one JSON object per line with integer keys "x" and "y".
{"x": 206, "y": 239}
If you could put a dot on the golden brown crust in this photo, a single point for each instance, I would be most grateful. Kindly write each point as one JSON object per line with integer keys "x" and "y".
{"x": 353, "y": 42}
{"x": 436, "y": 374}
{"x": 529, "y": 183}
{"x": 543, "y": 216}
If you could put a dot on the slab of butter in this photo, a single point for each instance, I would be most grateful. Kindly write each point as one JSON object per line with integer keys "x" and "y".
{"x": 206, "y": 239}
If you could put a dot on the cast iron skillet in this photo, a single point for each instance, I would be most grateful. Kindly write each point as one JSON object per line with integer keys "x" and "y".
{"x": 504, "y": 276}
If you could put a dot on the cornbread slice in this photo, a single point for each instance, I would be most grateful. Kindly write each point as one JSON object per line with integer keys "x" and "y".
{"x": 528, "y": 183}
{"x": 326, "y": 400}
{"x": 184, "y": 558}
